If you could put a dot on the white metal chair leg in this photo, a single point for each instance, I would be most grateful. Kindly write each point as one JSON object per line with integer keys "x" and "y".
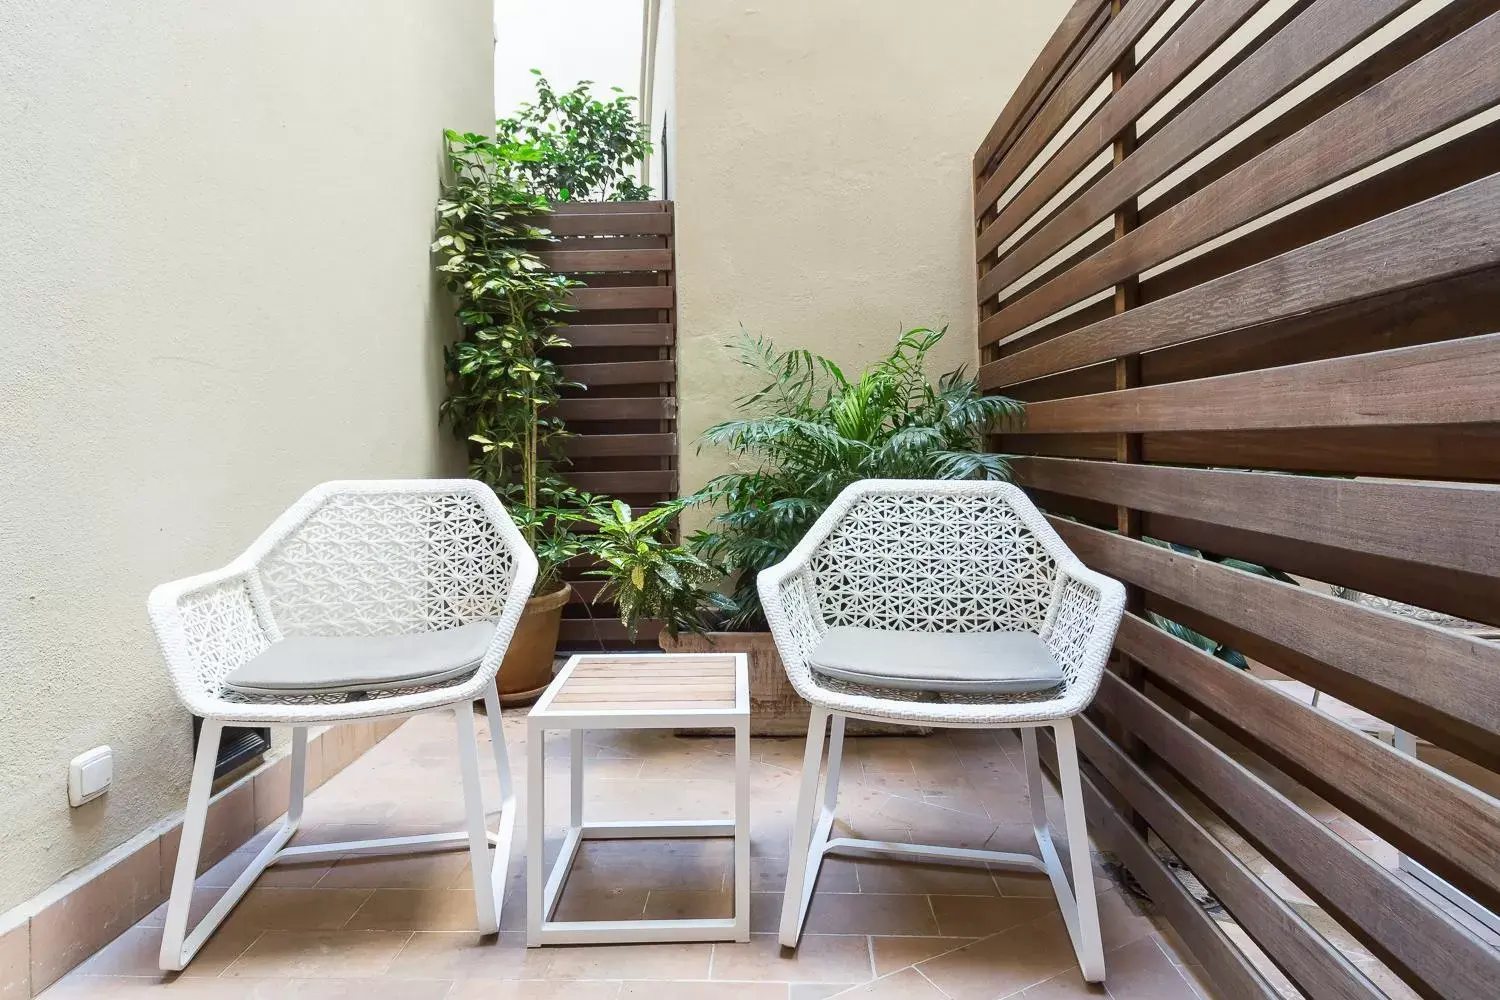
{"x": 174, "y": 956}
{"x": 1087, "y": 940}
{"x": 505, "y": 836}
{"x": 485, "y": 904}
{"x": 297, "y": 793}
{"x": 798, "y": 882}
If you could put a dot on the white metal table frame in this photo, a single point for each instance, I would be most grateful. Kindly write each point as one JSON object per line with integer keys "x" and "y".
{"x": 542, "y": 898}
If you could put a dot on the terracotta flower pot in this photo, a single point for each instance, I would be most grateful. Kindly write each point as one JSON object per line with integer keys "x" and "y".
{"x": 527, "y": 668}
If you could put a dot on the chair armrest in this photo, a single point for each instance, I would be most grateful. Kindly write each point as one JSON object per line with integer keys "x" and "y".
{"x": 1080, "y": 628}
{"x": 208, "y": 626}
{"x": 791, "y": 607}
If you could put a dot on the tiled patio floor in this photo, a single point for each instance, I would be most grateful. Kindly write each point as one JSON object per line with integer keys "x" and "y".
{"x": 402, "y": 928}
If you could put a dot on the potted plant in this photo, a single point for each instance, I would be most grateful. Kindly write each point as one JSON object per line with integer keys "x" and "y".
{"x": 648, "y": 575}
{"x": 809, "y": 432}
{"x": 501, "y": 381}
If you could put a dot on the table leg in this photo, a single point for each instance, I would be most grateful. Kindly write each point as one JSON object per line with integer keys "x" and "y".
{"x": 742, "y": 831}
{"x": 575, "y": 777}
{"x": 536, "y": 830}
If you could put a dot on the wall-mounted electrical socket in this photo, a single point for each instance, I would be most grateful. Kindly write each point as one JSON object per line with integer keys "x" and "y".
{"x": 89, "y": 775}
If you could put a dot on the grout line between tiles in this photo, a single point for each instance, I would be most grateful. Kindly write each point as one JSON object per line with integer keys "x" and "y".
{"x": 931, "y": 983}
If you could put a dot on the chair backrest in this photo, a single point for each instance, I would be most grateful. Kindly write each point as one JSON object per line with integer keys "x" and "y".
{"x": 381, "y": 557}
{"x": 935, "y": 557}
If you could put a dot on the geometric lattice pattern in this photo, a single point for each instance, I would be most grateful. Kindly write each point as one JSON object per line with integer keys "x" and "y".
{"x": 349, "y": 558}
{"x": 377, "y": 563}
{"x": 933, "y": 563}
{"x": 941, "y": 556}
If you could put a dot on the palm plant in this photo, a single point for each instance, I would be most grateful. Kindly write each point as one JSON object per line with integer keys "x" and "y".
{"x": 814, "y": 431}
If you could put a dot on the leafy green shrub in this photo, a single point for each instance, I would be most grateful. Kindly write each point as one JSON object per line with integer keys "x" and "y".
{"x": 812, "y": 431}
{"x": 646, "y": 573}
{"x": 500, "y": 380}
{"x": 586, "y": 148}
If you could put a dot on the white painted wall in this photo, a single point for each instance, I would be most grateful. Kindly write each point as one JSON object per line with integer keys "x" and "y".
{"x": 568, "y": 40}
{"x": 215, "y": 291}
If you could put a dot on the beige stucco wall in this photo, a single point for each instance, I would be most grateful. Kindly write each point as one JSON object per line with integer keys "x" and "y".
{"x": 214, "y": 293}
{"x": 822, "y": 176}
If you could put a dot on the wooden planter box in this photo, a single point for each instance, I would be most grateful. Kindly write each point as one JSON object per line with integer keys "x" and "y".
{"x": 776, "y": 709}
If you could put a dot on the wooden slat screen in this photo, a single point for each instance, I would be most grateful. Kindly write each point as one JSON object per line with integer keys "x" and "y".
{"x": 1242, "y": 260}
{"x": 623, "y": 341}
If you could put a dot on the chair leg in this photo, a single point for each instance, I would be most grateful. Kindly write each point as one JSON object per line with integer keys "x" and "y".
{"x": 798, "y": 894}
{"x": 479, "y": 838}
{"x": 506, "y": 835}
{"x": 174, "y": 957}
{"x": 297, "y": 794}
{"x": 1087, "y": 940}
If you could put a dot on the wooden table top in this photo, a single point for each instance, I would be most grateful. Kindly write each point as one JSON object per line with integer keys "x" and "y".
{"x": 666, "y": 682}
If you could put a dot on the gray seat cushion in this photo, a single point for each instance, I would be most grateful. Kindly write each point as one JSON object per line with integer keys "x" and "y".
{"x": 318, "y": 664}
{"x": 955, "y": 663}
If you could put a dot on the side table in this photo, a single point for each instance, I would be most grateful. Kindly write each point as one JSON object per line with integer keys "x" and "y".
{"x": 635, "y": 691}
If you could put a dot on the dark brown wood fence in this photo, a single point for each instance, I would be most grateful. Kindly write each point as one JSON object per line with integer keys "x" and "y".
{"x": 624, "y": 339}
{"x": 1244, "y": 264}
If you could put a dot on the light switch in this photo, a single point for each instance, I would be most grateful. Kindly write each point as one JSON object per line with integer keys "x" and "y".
{"x": 89, "y": 775}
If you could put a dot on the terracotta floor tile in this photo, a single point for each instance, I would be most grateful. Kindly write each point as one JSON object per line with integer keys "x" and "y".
{"x": 921, "y": 877}
{"x": 319, "y": 954}
{"x": 908, "y": 984}
{"x": 653, "y": 864}
{"x": 976, "y": 916}
{"x": 631, "y": 961}
{"x": 817, "y": 991}
{"x": 268, "y": 908}
{"x": 820, "y": 958}
{"x": 869, "y": 913}
{"x": 1003, "y": 964}
{"x": 350, "y": 989}
{"x": 422, "y": 871}
{"x": 485, "y": 989}
{"x": 137, "y": 952}
{"x": 1121, "y": 920}
{"x": 414, "y": 910}
{"x": 1023, "y": 886}
{"x": 450, "y": 955}
{"x": 703, "y": 991}
{"x": 1067, "y": 986}
{"x": 891, "y": 954}
{"x": 78, "y": 987}
{"x": 681, "y": 904}
{"x": 836, "y": 875}
{"x": 602, "y": 904}
{"x": 1142, "y": 971}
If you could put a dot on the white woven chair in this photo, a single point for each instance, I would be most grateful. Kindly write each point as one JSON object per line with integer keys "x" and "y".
{"x": 375, "y": 558}
{"x": 943, "y": 557}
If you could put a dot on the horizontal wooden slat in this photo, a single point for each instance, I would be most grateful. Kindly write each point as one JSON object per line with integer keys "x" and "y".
{"x": 1450, "y": 234}
{"x": 627, "y": 297}
{"x": 1443, "y": 87}
{"x": 1084, "y": 20}
{"x": 591, "y": 445}
{"x": 582, "y": 631}
{"x": 1309, "y": 41}
{"x": 1316, "y": 966}
{"x": 1445, "y": 825}
{"x": 635, "y": 481}
{"x": 1233, "y": 975}
{"x": 576, "y": 261}
{"x": 1466, "y": 595}
{"x": 1095, "y": 63}
{"x": 1469, "y": 452}
{"x": 1204, "y": 27}
{"x": 620, "y": 408}
{"x": 1460, "y": 677}
{"x": 621, "y": 372}
{"x": 632, "y": 224}
{"x": 1448, "y": 383}
{"x": 1441, "y": 25}
{"x": 617, "y": 334}
{"x": 610, "y": 207}
{"x": 1454, "y": 527}
{"x": 1430, "y": 950}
